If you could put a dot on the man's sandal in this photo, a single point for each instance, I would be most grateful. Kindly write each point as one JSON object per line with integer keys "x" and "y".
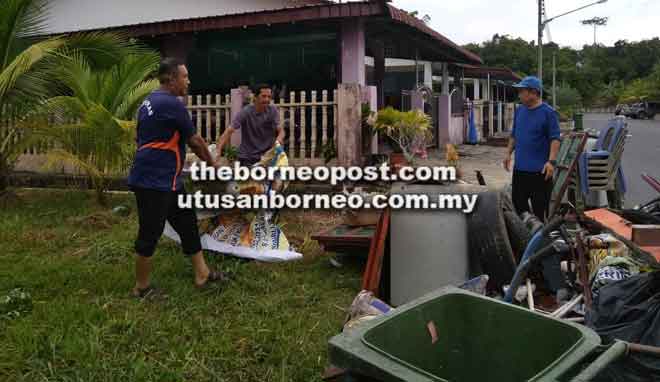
{"x": 149, "y": 293}
{"x": 214, "y": 277}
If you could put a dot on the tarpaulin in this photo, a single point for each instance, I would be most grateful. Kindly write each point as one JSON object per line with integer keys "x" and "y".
{"x": 629, "y": 310}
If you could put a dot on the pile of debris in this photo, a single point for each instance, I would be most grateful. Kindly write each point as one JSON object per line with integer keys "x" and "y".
{"x": 595, "y": 271}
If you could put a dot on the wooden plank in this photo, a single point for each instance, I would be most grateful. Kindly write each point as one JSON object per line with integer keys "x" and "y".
{"x": 324, "y": 119}
{"x": 189, "y": 101}
{"x": 292, "y": 126}
{"x": 313, "y": 145}
{"x": 571, "y": 147}
{"x": 335, "y": 115}
{"x": 198, "y": 114}
{"x": 218, "y": 124}
{"x": 228, "y": 115}
{"x": 208, "y": 118}
{"x": 303, "y": 130}
{"x": 372, "y": 273}
{"x": 622, "y": 230}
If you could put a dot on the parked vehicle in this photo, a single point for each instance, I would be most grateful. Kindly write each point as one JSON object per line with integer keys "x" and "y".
{"x": 639, "y": 110}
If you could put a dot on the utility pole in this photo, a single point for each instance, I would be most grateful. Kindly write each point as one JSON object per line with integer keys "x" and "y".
{"x": 540, "y": 45}
{"x": 596, "y": 22}
{"x": 554, "y": 80}
{"x": 542, "y": 24}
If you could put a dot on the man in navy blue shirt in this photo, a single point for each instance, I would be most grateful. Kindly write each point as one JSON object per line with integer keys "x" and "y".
{"x": 164, "y": 128}
{"x": 535, "y": 140}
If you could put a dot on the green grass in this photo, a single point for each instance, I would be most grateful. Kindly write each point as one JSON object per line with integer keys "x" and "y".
{"x": 75, "y": 259}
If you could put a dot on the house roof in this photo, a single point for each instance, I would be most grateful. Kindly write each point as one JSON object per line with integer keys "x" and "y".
{"x": 65, "y": 16}
{"x": 405, "y": 18}
{"x": 474, "y": 71}
{"x": 310, "y": 10}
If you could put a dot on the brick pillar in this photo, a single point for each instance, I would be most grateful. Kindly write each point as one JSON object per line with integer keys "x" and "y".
{"x": 237, "y": 103}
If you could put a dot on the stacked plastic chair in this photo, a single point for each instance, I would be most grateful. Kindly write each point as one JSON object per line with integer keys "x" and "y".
{"x": 600, "y": 169}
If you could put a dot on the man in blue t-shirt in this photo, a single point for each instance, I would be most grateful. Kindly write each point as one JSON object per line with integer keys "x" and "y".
{"x": 535, "y": 140}
{"x": 164, "y": 128}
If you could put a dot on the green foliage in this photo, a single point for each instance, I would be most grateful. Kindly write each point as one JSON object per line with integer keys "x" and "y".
{"x": 270, "y": 323}
{"x": 408, "y": 130}
{"x": 28, "y": 66}
{"x": 598, "y": 73}
{"x": 329, "y": 151}
{"x": 230, "y": 152}
{"x": 94, "y": 126}
{"x": 568, "y": 100}
{"x": 647, "y": 88}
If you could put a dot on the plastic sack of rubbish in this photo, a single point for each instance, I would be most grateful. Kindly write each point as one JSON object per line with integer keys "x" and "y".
{"x": 629, "y": 310}
{"x": 274, "y": 158}
{"x": 364, "y": 307}
{"x": 237, "y": 235}
{"x": 603, "y": 246}
{"x": 251, "y": 235}
{"x": 609, "y": 274}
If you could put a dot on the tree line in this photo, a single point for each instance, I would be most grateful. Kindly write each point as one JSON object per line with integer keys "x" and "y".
{"x": 595, "y": 75}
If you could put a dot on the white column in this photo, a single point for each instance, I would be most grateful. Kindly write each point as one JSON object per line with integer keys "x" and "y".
{"x": 477, "y": 95}
{"x": 445, "y": 78}
{"x": 428, "y": 75}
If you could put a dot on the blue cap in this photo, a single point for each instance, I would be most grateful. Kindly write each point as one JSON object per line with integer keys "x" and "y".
{"x": 529, "y": 82}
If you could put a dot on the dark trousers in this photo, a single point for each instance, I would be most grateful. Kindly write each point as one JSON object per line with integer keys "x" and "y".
{"x": 532, "y": 186}
{"x": 156, "y": 207}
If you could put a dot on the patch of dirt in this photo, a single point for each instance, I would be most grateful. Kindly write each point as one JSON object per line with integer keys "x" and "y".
{"x": 39, "y": 236}
{"x": 96, "y": 220}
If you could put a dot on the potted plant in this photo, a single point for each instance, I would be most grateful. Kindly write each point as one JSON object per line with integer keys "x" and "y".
{"x": 408, "y": 132}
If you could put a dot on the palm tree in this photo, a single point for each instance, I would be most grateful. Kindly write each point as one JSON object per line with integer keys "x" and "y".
{"x": 26, "y": 69}
{"x": 102, "y": 105}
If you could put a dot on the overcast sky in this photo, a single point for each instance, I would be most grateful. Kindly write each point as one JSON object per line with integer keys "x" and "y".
{"x": 465, "y": 21}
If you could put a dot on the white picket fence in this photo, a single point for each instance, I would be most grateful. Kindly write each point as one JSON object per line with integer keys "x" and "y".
{"x": 211, "y": 114}
{"x": 309, "y": 120}
{"x": 308, "y": 117}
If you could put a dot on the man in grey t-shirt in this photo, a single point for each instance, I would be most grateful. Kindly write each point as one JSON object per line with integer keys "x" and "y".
{"x": 259, "y": 125}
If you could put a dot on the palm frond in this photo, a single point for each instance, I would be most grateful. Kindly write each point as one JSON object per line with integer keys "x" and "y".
{"x": 24, "y": 64}
{"x": 127, "y": 109}
{"x": 63, "y": 108}
{"x": 103, "y": 50}
{"x": 98, "y": 140}
{"x": 19, "y": 20}
{"x": 76, "y": 75}
{"x": 127, "y": 75}
{"x": 127, "y": 126}
{"x": 57, "y": 157}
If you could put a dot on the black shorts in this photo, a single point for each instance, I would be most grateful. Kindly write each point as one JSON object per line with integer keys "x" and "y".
{"x": 156, "y": 207}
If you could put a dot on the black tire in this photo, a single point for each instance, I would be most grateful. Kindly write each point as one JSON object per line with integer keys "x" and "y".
{"x": 642, "y": 115}
{"x": 518, "y": 233}
{"x": 507, "y": 200}
{"x": 489, "y": 246}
